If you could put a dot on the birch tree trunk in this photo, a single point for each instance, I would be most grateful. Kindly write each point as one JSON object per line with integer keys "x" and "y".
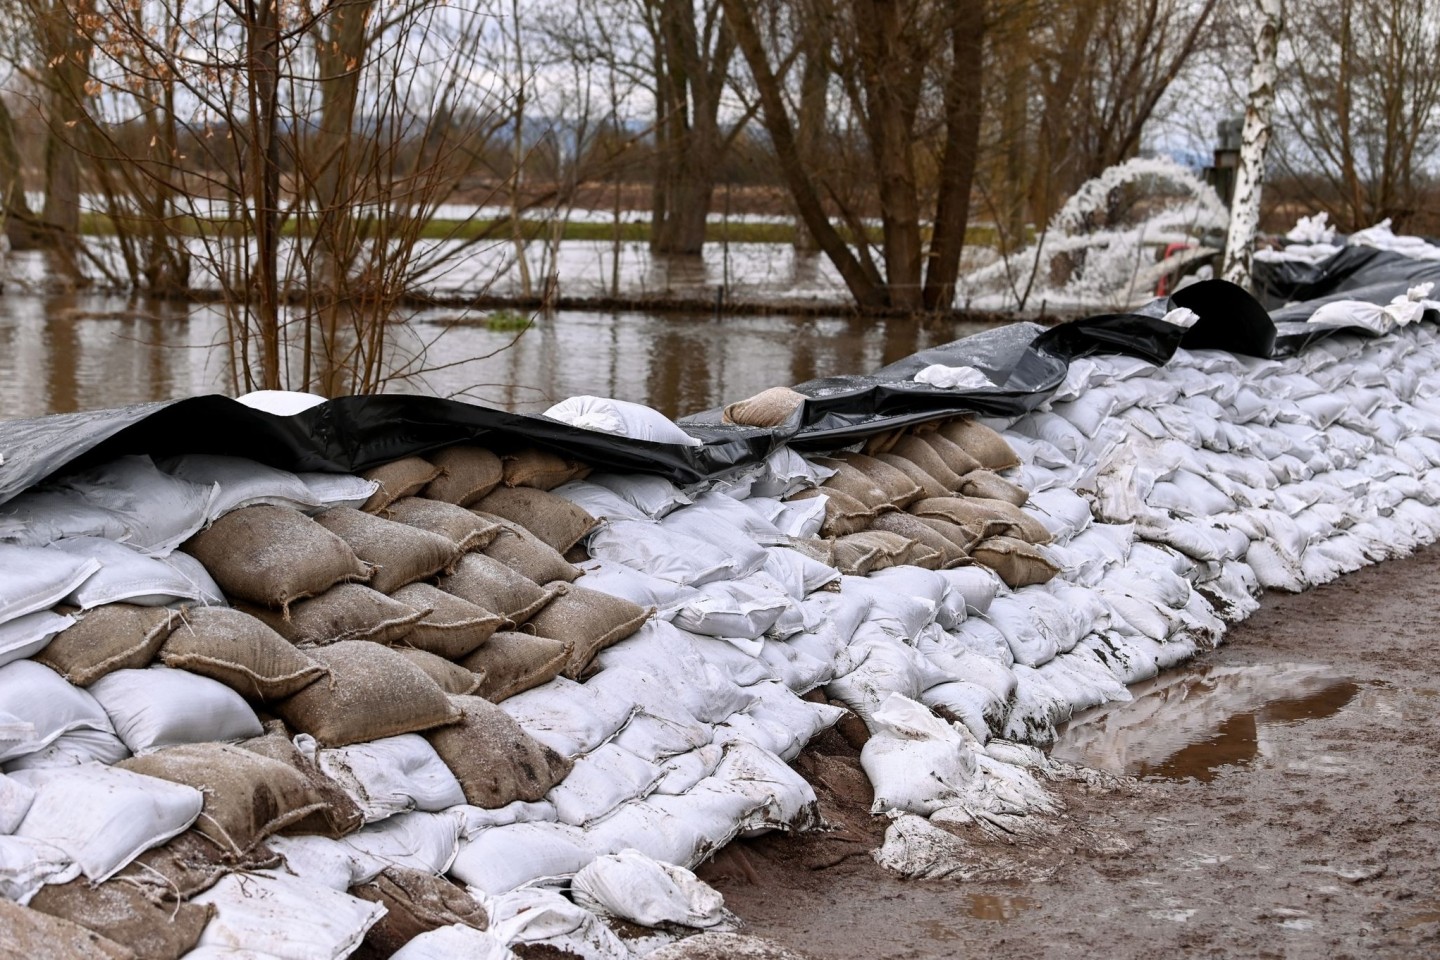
{"x": 1245, "y": 209}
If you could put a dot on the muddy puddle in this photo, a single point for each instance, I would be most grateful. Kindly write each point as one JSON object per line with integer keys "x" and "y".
{"x": 1192, "y": 723}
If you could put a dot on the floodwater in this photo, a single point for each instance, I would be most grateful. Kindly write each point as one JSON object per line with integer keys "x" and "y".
{"x": 67, "y": 352}
{"x": 1192, "y": 723}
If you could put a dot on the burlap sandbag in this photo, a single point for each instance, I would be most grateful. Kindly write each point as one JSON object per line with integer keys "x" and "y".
{"x": 907, "y": 552}
{"x": 976, "y": 512}
{"x": 540, "y": 469}
{"x": 968, "y": 534}
{"x": 1018, "y": 563}
{"x": 492, "y": 586}
{"x": 493, "y": 757}
{"x": 923, "y": 455}
{"x": 531, "y": 557}
{"x": 768, "y": 408}
{"x": 188, "y": 865}
{"x": 883, "y": 442}
{"x": 856, "y": 558}
{"x": 949, "y": 553}
{"x": 992, "y": 486}
{"x": 900, "y": 490}
{"x": 855, "y": 484}
{"x": 248, "y": 797}
{"x": 466, "y": 474}
{"x": 347, "y": 612}
{"x": 512, "y": 663}
{"x": 32, "y": 935}
{"x": 415, "y": 903}
{"x": 339, "y": 816}
{"x": 891, "y": 549}
{"x": 460, "y": 526}
{"x": 273, "y": 556}
{"x": 821, "y": 551}
{"x": 952, "y": 455}
{"x": 451, "y": 677}
{"x": 843, "y": 513}
{"x": 398, "y": 478}
{"x": 555, "y": 520}
{"x": 399, "y": 553}
{"x": 372, "y": 692}
{"x": 241, "y": 652}
{"x": 121, "y": 912}
{"x": 929, "y": 486}
{"x": 452, "y": 628}
{"x": 589, "y": 621}
{"x": 982, "y": 443}
{"x": 116, "y": 636}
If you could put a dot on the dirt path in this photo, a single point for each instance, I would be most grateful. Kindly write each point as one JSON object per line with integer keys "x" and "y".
{"x": 1324, "y": 842}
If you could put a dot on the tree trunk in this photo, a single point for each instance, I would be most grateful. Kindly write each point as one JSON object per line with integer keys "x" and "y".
{"x": 263, "y": 42}
{"x": 1245, "y": 211}
{"x": 67, "y": 49}
{"x": 814, "y": 111}
{"x": 15, "y": 212}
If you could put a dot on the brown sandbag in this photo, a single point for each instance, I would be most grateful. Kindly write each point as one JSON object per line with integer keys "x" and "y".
{"x": 577, "y": 554}
{"x": 399, "y": 478}
{"x": 843, "y": 513}
{"x": 372, "y": 692}
{"x": 350, "y": 611}
{"x": 466, "y": 474}
{"x": 891, "y": 549}
{"x": 982, "y": 443}
{"x": 512, "y": 663}
{"x": 189, "y": 864}
{"x": 992, "y": 486}
{"x": 898, "y": 487}
{"x": 273, "y": 556}
{"x": 879, "y": 443}
{"x": 1018, "y": 563}
{"x": 768, "y": 408}
{"x": 589, "y": 621}
{"x": 855, "y": 484}
{"x": 555, "y": 520}
{"x": 949, "y": 553}
{"x": 929, "y": 486}
{"x": 493, "y": 757}
{"x": 923, "y": 455}
{"x": 451, "y": 677}
{"x": 856, "y": 558}
{"x": 241, "y": 652}
{"x": 453, "y": 626}
{"x": 121, "y": 912}
{"x": 531, "y": 557}
{"x": 491, "y": 585}
{"x": 977, "y": 513}
{"x": 540, "y": 469}
{"x": 32, "y": 935}
{"x": 117, "y": 636}
{"x": 401, "y": 554}
{"x": 821, "y": 551}
{"x": 248, "y": 797}
{"x": 458, "y": 525}
{"x": 415, "y": 902}
{"x": 966, "y": 535}
{"x": 952, "y": 455}
{"x": 340, "y": 816}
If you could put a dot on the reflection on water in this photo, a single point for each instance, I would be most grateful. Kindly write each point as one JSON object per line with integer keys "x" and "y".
{"x": 1191, "y": 723}
{"x": 70, "y": 352}
{"x": 989, "y": 907}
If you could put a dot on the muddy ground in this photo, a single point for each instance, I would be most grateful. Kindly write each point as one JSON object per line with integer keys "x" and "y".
{"x": 1321, "y": 843}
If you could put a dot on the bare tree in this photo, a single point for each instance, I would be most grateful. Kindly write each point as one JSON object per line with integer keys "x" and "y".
{"x": 1245, "y": 210}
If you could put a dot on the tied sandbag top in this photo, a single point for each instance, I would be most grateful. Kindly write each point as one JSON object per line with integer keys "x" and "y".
{"x": 1024, "y": 362}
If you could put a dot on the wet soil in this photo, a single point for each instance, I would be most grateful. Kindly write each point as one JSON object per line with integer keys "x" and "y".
{"x": 1299, "y": 822}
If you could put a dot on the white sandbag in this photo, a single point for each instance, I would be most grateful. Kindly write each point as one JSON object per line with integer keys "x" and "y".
{"x": 797, "y": 573}
{"x": 391, "y": 775}
{"x": 621, "y": 418}
{"x": 897, "y": 614}
{"x": 661, "y": 552}
{"x": 889, "y": 666}
{"x": 15, "y": 800}
{"x": 735, "y": 657}
{"x": 679, "y": 774}
{"x": 104, "y": 817}
{"x": 427, "y": 842}
{"x": 242, "y": 482}
{"x": 655, "y": 496}
{"x": 796, "y": 667}
{"x": 475, "y": 819}
{"x": 655, "y": 738}
{"x": 281, "y": 403}
{"x": 600, "y": 502}
{"x": 159, "y": 511}
{"x": 161, "y": 707}
{"x": 639, "y": 889}
{"x": 783, "y": 798}
{"x": 983, "y": 639}
{"x": 786, "y": 472}
{"x": 285, "y": 917}
{"x": 34, "y": 578}
{"x": 969, "y": 703}
{"x": 339, "y": 489}
{"x": 500, "y": 859}
{"x": 72, "y": 748}
{"x": 1063, "y": 512}
{"x": 743, "y": 608}
{"x": 41, "y": 516}
{"x": 825, "y": 644}
{"x": 707, "y": 523}
{"x": 27, "y": 865}
{"x": 793, "y": 518}
{"x": 26, "y": 636}
{"x": 599, "y": 782}
{"x": 661, "y": 651}
{"x": 684, "y": 837}
{"x": 129, "y": 575}
{"x": 1130, "y": 658}
{"x": 916, "y": 762}
{"x": 618, "y": 580}
{"x": 1030, "y": 625}
{"x": 793, "y": 722}
{"x": 38, "y": 697}
{"x": 568, "y": 717}
{"x": 543, "y": 918}
{"x": 453, "y": 943}
{"x": 954, "y": 378}
{"x": 317, "y": 860}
